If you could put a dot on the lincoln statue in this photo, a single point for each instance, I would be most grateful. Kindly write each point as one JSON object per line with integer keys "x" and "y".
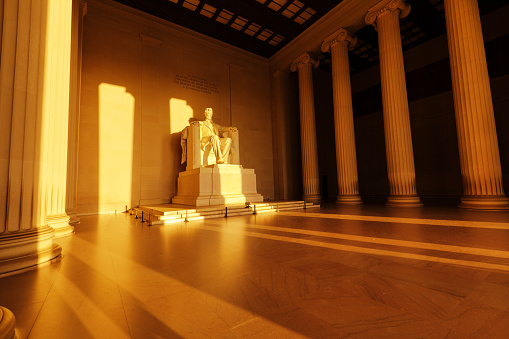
{"x": 211, "y": 135}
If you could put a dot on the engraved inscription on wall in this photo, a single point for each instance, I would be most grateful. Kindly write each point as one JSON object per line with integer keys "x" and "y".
{"x": 196, "y": 83}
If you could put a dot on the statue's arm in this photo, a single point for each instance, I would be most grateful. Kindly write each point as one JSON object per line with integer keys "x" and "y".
{"x": 228, "y": 129}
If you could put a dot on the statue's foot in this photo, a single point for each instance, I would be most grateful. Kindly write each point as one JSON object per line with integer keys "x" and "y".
{"x": 220, "y": 161}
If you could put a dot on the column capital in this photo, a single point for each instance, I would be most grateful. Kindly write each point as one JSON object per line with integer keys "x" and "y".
{"x": 303, "y": 60}
{"x": 340, "y": 36}
{"x": 387, "y": 6}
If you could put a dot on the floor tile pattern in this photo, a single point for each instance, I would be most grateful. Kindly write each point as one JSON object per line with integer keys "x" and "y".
{"x": 335, "y": 272}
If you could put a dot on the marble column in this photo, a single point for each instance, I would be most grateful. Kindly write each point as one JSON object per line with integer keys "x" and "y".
{"x": 398, "y": 139}
{"x": 310, "y": 175}
{"x": 473, "y": 105}
{"x": 346, "y": 159}
{"x": 56, "y": 110}
{"x": 79, "y": 10}
{"x": 26, "y": 125}
{"x": 7, "y": 320}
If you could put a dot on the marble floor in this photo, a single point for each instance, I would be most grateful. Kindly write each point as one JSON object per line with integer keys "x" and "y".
{"x": 334, "y": 272}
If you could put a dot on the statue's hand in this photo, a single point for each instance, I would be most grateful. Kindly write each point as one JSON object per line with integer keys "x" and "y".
{"x": 233, "y": 129}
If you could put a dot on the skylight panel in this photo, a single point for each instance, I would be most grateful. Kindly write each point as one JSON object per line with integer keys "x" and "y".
{"x": 208, "y": 11}
{"x": 265, "y": 35}
{"x": 191, "y": 4}
{"x": 292, "y": 9}
{"x": 252, "y": 29}
{"x": 277, "y": 4}
{"x": 239, "y": 23}
{"x": 224, "y": 17}
{"x": 276, "y": 40}
{"x": 304, "y": 16}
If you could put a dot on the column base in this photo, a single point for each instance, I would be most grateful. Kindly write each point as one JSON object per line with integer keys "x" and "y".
{"x": 314, "y": 198}
{"x": 73, "y": 217}
{"x": 60, "y": 223}
{"x": 7, "y": 324}
{"x": 26, "y": 250}
{"x": 485, "y": 203}
{"x": 349, "y": 200}
{"x": 404, "y": 201}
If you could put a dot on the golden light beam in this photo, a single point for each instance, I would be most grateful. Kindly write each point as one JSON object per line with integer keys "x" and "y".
{"x": 392, "y": 242}
{"x": 363, "y": 250}
{"x": 434, "y": 222}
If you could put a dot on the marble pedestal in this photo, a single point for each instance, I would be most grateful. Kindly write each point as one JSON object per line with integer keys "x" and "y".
{"x": 218, "y": 184}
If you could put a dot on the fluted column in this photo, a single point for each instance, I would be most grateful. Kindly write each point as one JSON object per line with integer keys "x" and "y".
{"x": 7, "y": 322}
{"x": 310, "y": 174}
{"x": 398, "y": 139}
{"x": 56, "y": 101}
{"x": 26, "y": 240}
{"x": 473, "y": 105}
{"x": 346, "y": 159}
{"x": 79, "y": 10}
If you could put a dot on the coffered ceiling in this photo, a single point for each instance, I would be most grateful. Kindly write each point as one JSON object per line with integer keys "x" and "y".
{"x": 264, "y": 27}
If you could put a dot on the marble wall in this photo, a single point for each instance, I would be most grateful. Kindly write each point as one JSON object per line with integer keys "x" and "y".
{"x": 142, "y": 80}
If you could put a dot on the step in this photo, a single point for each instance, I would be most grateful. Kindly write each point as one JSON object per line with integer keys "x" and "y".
{"x": 158, "y": 217}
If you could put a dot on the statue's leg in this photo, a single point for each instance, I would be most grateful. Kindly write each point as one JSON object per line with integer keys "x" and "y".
{"x": 216, "y": 147}
{"x": 226, "y": 144}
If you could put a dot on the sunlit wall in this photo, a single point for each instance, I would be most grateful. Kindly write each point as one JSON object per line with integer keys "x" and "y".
{"x": 180, "y": 113}
{"x": 116, "y": 130}
{"x": 142, "y": 82}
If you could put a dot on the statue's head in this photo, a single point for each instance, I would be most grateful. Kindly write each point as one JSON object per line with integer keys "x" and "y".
{"x": 208, "y": 113}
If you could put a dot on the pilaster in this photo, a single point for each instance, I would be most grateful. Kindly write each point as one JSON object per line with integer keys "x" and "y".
{"x": 278, "y": 92}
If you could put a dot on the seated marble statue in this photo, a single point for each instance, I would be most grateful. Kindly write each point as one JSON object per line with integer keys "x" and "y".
{"x": 211, "y": 134}
{"x": 204, "y": 182}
